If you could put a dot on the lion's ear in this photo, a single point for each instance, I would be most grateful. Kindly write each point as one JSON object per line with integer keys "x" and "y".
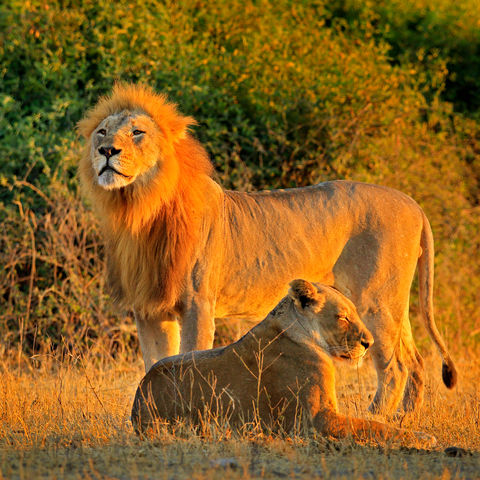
{"x": 304, "y": 294}
{"x": 178, "y": 127}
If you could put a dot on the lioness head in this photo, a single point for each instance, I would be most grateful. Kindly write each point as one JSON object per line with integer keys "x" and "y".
{"x": 332, "y": 319}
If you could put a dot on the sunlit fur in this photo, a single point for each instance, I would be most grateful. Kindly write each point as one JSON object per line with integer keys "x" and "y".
{"x": 150, "y": 227}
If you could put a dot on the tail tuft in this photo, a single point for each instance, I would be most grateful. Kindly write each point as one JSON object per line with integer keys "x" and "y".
{"x": 449, "y": 374}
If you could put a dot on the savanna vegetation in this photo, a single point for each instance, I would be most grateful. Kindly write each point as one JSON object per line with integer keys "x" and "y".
{"x": 285, "y": 94}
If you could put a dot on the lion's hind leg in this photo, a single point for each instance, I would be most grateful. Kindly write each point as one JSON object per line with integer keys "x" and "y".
{"x": 390, "y": 365}
{"x": 400, "y": 372}
{"x": 392, "y": 378}
{"x": 414, "y": 390}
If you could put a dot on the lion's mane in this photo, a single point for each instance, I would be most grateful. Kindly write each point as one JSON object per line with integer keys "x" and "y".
{"x": 150, "y": 231}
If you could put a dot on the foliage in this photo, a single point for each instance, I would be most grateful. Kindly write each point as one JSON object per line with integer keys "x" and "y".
{"x": 432, "y": 34}
{"x": 285, "y": 93}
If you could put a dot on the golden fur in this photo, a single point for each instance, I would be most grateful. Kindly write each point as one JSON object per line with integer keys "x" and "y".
{"x": 181, "y": 251}
{"x": 278, "y": 376}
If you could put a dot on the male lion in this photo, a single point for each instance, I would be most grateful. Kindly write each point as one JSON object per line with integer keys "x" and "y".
{"x": 279, "y": 373}
{"x": 181, "y": 251}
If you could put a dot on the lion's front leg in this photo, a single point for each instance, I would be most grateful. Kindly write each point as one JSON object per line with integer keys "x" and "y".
{"x": 197, "y": 326}
{"x": 333, "y": 424}
{"x": 159, "y": 336}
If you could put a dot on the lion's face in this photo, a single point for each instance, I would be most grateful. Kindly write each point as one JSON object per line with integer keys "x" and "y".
{"x": 333, "y": 319}
{"x": 125, "y": 149}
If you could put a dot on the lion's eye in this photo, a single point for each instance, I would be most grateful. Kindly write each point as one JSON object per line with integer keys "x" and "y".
{"x": 102, "y": 132}
{"x": 138, "y": 132}
{"x": 344, "y": 318}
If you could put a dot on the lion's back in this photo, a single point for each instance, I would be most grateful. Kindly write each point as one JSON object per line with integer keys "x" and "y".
{"x": 272, "y": 237}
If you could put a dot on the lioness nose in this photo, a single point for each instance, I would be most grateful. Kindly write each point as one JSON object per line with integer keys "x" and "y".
{"x": 108, "y": 151}
{"x": 366, "y": 342}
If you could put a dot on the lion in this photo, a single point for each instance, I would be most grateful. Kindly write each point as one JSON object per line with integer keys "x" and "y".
{"x": 278, "y": 376}
{"x": 181, "y": 251}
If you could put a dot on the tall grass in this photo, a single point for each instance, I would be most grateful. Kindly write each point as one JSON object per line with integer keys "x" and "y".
{"x": 75, "y": 424}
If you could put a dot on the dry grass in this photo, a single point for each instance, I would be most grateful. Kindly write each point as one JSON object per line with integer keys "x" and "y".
{"x": 70, "y": 419}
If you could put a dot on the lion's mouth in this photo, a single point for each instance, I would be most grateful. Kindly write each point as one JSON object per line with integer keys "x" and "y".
{"x": 109, "y": 167}
{"x": 352, "y": 356}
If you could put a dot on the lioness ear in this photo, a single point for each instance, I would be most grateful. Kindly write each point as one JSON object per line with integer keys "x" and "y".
{"x": 303, "y": 293}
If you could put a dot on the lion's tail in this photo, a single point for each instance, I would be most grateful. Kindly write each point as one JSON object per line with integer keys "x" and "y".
{"x": 425, "y": 273}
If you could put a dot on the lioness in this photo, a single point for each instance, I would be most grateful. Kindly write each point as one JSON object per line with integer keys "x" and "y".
{"x": 281, "y": 371}
{"x": 181, "y": 251}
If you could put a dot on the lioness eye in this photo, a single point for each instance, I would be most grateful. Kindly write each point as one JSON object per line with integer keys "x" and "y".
{"x": 138, "y": 132}
{"x": 102, "y": 132}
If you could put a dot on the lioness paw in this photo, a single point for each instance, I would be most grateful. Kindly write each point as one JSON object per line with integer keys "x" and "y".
{"x": 426, "y": 439}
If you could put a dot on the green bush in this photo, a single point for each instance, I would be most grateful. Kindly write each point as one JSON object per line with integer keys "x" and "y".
{"x": 430, "y": 34}
{"x": 285, "y": 94}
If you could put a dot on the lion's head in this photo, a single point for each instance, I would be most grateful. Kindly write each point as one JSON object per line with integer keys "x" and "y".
{"x": 126, "y": 148}
{"x": 138, "y": 153}
{"x": 332, "y": 319}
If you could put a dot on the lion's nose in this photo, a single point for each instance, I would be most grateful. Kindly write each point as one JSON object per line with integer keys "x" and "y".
{"x": 108, "y": 151}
